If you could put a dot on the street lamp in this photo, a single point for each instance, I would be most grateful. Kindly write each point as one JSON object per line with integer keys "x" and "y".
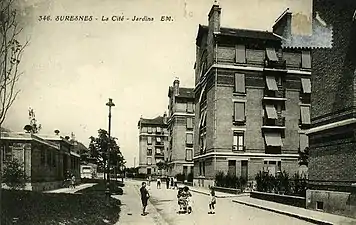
{"x": 110, "y": 104}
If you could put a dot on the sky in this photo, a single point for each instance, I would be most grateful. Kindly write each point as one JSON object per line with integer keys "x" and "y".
{"x": 71, "y": 69}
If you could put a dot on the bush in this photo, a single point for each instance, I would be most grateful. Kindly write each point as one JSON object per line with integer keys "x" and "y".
{"x": 281, "y": 183}
{"x": 14, "y": 175}
{"x": 229, "y": 181}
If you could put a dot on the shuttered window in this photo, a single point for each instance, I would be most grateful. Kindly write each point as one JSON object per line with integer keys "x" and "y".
{"x": 240, "y": 83}
{"x": 240, "y": 54}
{"x": 271, "y": 83}
{"x": 189, "y": 139}
{"x": 306, "y": 85}
{"x": 271, "y": 54}
{"x": 303, "y": 142}
{"x": 149, "y": 140}
{"x": 306, "y": 60}
{"x": 189, "y": 154}
{"x": 305, "y": 114}
{"x": 190, "y": 107}
{"x": 239, "y": 111}
{"x": 189, "y": 123}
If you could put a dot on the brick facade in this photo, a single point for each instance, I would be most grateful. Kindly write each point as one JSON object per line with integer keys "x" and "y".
{"x": 180, "y": 124}
{"x": 153, "y": 144}
{"x": 332, "y": 163}
{"x": 218, "y": 102}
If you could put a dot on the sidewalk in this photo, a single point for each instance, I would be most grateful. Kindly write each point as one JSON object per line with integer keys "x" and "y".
{"x": 131, "y": 208}
{"x": 300, "y": 213}
{"x": 71, "y": 190}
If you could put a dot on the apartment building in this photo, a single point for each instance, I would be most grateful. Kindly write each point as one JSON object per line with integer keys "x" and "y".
{"x": 181, "y": 128}
{"x": 252, "y": 102}
{"x": 153, "y": 144}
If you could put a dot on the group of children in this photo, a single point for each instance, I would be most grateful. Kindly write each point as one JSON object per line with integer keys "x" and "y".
{"x": 184, "y": 200}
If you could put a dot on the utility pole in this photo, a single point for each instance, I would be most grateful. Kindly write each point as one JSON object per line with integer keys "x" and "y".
{"x": 110, "y": 104}
{"x": 134, "y": 162}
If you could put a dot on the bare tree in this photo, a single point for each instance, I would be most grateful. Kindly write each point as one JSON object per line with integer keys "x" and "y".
{"x": 10, "y": 56}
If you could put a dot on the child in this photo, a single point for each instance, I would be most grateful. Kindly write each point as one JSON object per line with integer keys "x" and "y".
{"x": 212, "y": 202}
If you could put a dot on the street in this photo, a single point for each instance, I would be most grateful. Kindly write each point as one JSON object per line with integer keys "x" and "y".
{"x": 163, "y": 204}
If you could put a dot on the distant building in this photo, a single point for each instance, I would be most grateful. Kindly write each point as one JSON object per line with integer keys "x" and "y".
{"x": 181, "y": 129}
{"x": 45, "y": 159}
{"x": 332, "y": 166}
{"x": 252, "y": 101}
{"x": 153, "y": 144}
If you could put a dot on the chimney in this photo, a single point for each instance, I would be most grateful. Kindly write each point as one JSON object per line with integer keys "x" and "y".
{"x": 176, "y": 87}
{"x": 283, "y": 24}
{"x": 165, "y": 118}
{"x": 214, "y": 18}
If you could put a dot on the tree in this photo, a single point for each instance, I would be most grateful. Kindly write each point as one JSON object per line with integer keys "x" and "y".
{"x": 98, "y": 149}
{"x": 14, "y": 174}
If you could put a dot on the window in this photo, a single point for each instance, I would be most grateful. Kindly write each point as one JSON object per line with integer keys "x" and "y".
{"x": 158, "y": 140}
{"x": 306, "y": 60}
{"x": 149, "y": 151}
{"x": 154, "y": 129}
{"x": 43, "y": 156}
{"x": 232, "y": 167}
{"x": 240, "y": 54}
{"x": 271, "y": 54}
{"x": 144, "y": 129}
{"x": 189, "y": 139}
{"x": 271, "y": 112}
{"x": 306, "y": 85}
{"x": 273, "y": 139}
{"x": 149, "y": 130}
{"x": 240, "y": 83}
{"x": 188, "y": 154}
{"x": 189, "y": 123}
{"x": 239, "y": 112}
{"x": 149, "y": 160}
{"x": 319, "y": 205}
{"x": 238, "y": 142}
{"x": 190, "y": 107}
{"x": 303, "y": 142}
{"x": 271, "y": 83}
{"x": 149, "y": 140}
{"x": 305, "y": 114}
{"x": 158, "y": 151}
{"x": 159, "y": 130}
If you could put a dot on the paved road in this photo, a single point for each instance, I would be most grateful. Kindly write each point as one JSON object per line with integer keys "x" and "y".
{"x": 164, "y": 202}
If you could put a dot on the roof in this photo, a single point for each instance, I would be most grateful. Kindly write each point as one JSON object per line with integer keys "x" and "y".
{"x": 52, "y": 137}
{"x": 183, "y": 92}
{"x": 159, "y": 120}
{"x": 26, "y": 137}
{"x": 241, "y": 33}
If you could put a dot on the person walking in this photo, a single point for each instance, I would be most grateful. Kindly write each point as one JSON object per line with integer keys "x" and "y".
{"x": 144, "y": 198}
{"x": 158, "y": 183}
{"x": 172, "y": 182}
{"x": 175, "y": 181}
{"x": 167, "y": 182}
{"x": 73, "y": 181}
{"x": 212, "y": 202}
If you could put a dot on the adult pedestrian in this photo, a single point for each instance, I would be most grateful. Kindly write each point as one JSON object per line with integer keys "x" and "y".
{"x": 172, "y": 182}
{"x": 73, "y": 181}
{"x": 144, "y": 198}
{"x": 158, "y": 183}
{"x": 175, "y": 182}
{"x": 167, "y": 182}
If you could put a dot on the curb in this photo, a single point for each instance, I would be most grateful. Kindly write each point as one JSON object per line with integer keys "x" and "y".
{"x": 308, "y": 219}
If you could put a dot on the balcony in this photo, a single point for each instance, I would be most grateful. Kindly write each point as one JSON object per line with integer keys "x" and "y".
{"x": 279, "y": 95}
{"x": 280, "y": 64}
{"x": 159, "y": 155}
{"x": 159, "y": 144}
{"x": 278, "y": 123}
{"x": 236, "y": 148}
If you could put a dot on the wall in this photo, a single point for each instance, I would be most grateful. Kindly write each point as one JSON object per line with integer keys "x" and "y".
{"x": 283, "y": 199}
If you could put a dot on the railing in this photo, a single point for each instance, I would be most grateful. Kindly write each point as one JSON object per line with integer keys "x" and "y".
{"x": 280, "y": 121}
{"x": 239, "y": 122}
{"x": 235, "y": 148}
{"x": 280, "y": 64}
{"x": 281, "y": 93}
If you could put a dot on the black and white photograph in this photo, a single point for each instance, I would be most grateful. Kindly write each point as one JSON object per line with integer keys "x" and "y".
{"x": 177, "y": 112}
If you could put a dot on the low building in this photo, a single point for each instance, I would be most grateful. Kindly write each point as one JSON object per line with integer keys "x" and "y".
{"x": 153, "y": 144}
{"x": 45, "y": 162}
{"x": 252, "y": 102}
{"x": 181, "y": 129}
